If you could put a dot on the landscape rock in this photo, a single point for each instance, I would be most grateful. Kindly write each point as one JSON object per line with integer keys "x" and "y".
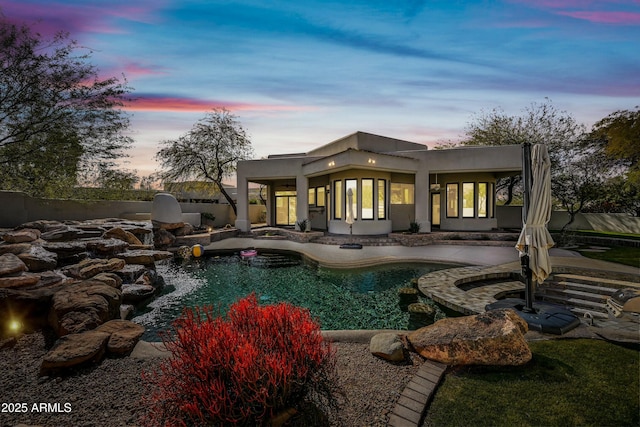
{"x": 163, "y": 239}
{"x": 492, "y": 338}
{"x": 43, "y": 225}
{"x": 111, "y": 279}
{"x": 11, "y": 264}
{"x": 388, "y": 346}
{"x": 24, "y": 235}
{"x": 135, "y": 293}
{"x": 107, "y": 247}
{"x": 185, "y": 230}
{"x": 88, "y": 268}
{"x": 124, "y": 335}
{"x": 83, "y": 306}
{"x": 144, "y": 256}
{"x": 124, "y": 235}
{"x": 131, "y": 272}
{"x": 38, "y": 258}
{"x": 70, "y": 233}
{"x": 73, "y": 350}
{"x": 66, "y": 250}
{"x": 14, "y": 248}
{"x": 21, "y": 280}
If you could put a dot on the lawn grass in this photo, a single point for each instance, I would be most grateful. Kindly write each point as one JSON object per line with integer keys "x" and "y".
{"x": 567, "y": 383}
{"x": 620, "y": 254}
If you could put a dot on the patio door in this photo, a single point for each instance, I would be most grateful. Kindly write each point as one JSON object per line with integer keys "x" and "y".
{"x": 435, "y": 210}
{"x": 286, "y": 203}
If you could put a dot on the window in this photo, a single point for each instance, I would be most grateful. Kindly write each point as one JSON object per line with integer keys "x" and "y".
{"x": 312, "y": 196}
{"x": 337, "y": 200}
{"x": 352, "y": 199}
{"x": 452, "y": 200}
{"x": 401, "y": 194}
{"x": 468, "y": 196}
{"x": 320, "y": 196}
{"x": 491, "y": 202}
{"x": 367, "y": 198}
{"x": 482, "y": 199}
{"x": 382, "y": 198}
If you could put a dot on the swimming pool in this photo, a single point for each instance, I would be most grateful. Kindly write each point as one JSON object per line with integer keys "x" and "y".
{"x": 365, "y": 298}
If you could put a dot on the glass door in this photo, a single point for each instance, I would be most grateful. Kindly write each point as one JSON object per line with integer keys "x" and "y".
{"x": 286, "y": 207}
{"x": 435, "y": 209}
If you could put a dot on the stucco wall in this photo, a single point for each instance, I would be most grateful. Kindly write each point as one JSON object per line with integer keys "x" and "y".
{"x": 18, "y": 208}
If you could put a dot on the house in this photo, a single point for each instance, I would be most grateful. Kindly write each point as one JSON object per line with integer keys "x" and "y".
{"x": 382, "y": 183}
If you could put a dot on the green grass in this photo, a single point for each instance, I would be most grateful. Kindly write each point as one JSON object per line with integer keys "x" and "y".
{"x": 567, "y": 383}
{"x": 607, "y": 234}
{"x": 619, "y": 254}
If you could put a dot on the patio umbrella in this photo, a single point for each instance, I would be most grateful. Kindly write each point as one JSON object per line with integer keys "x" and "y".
{"x": 349, "y": 218}
{"x": 534, "y": 241}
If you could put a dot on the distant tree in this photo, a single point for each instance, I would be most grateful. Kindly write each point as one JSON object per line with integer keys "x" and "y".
{"x": 538, "y": 123}
{"x": 619, "y": 132}
{"x": 56, "y": 114}
{"x": 209, "y": 151}
{"x": 618, "y": 136}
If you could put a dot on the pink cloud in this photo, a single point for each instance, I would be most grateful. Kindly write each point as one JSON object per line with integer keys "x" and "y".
{"x": 51, "y": 17}
{"x": 601, "y": 17}
{"x": 187, "y": 105}
{"x": 134, "y": 69}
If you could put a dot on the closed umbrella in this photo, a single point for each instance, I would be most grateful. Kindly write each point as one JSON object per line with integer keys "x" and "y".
{"x": 534, "y": 241}
{"x": 349, "y": 218}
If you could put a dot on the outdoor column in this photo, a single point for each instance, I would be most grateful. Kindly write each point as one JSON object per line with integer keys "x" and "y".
{"x": 243, "y": 223}
{"x": 422, "y": 199}
{"x": 302, "y": 198}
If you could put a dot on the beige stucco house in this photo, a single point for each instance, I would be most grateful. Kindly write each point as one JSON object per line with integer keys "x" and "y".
{"x": 382, "y": 183}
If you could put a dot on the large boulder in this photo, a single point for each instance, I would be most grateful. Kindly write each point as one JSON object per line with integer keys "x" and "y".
{"x": 124, "y": 336}
{"x": 83, "y": 306}
{"x": 107, "y": 247}
{"x": 388, "y": 346}
{"x": 492, "y": 338}
{"x": 73, "y": 350}
{"x": 166, "y": 209}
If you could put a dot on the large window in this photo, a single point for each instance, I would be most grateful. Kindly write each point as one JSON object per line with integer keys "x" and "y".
{"x": 367, "y": 198}
{"x": 320, "y": 196}
{"x": 468, "y": 200}
{"x": 382, "y": 198}
{"x": 452, "y": 200}
{"x": 337, "y": 200}
{"x": 401, "y": 194}
{"x": 312, "y": 196}
{"x": 482, "y": 199}
{"x": 352, "y": 197}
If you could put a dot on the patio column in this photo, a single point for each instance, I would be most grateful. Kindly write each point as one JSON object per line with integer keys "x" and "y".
{"x": 302, "y": 198}
{"x": 422, "y": 201}
{"x": 243, "y": 223}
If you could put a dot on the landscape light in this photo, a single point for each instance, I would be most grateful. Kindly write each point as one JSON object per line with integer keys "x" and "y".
{"x": 15, "y": 325}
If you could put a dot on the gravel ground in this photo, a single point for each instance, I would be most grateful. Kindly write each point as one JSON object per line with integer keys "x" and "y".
{"x": 109, "y": 394}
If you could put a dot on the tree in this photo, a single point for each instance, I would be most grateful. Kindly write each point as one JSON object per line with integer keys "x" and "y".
{"x": 539, "y": 123}
{"x": 51, "y": 102}
{"x": 618, "y": 136}
{"x": 210, "y": 151}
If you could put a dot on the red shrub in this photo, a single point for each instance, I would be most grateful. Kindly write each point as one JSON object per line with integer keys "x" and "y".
{"x": 241, "y": 370}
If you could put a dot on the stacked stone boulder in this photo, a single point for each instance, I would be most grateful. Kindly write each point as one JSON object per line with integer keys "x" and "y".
{"x": 72, "y": 277}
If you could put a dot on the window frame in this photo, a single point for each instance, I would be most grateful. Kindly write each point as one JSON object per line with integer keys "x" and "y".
{"x": 453, "y": 185}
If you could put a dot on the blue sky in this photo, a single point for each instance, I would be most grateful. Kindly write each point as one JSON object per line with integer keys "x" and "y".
{"x": 299, "y": 74}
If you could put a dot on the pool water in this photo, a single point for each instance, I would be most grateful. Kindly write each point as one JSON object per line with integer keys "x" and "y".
{"x": 338, "y": 298}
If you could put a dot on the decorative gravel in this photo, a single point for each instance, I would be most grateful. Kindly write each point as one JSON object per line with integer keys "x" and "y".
{"x": 109, "y": 394}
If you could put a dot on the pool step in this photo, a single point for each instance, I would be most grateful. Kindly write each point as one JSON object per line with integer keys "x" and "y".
{"x": 579, "y": 294}
{"x": 272, "y": 261}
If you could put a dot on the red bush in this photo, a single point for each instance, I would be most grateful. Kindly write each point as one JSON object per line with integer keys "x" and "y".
{"x": 241, "y": 370}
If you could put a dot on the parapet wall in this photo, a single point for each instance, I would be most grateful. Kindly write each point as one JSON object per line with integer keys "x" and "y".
{"x": 17, "y": 208}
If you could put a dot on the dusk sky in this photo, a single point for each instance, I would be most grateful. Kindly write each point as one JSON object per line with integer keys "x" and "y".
{"x": 300, "y": 74}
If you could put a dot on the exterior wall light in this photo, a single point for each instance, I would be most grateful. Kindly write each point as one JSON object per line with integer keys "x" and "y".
{"x": 372, "y": 161}
{"x": 332, "y": 164}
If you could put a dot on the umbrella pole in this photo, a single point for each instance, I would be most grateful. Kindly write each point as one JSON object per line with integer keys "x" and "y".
{"x": 524, "y": 260}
